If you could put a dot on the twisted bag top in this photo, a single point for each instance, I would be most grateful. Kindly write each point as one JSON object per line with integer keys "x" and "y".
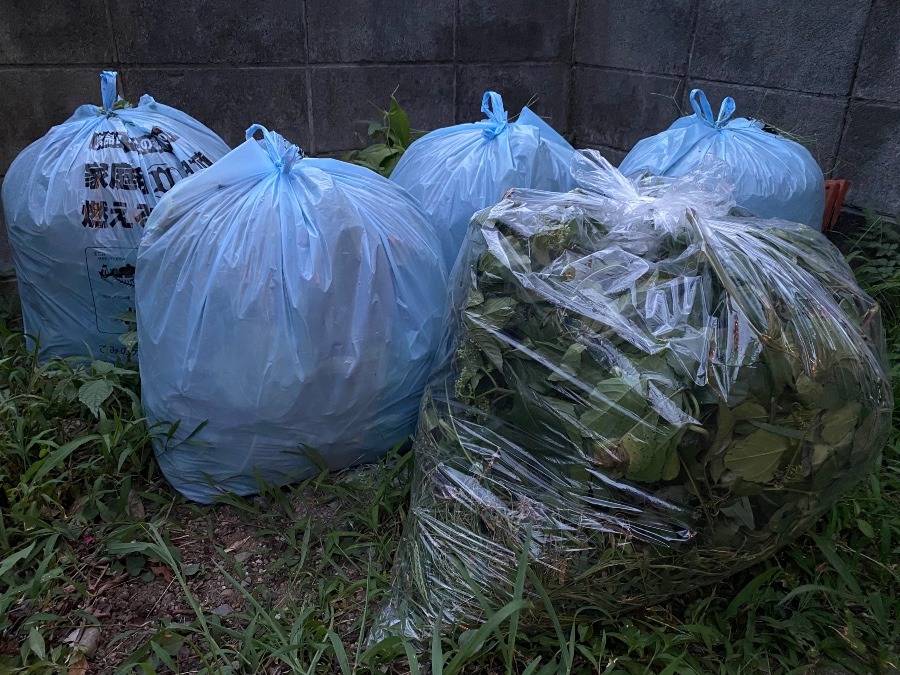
{"x": 458, "y": 170}
{"x": 76, "y": 202}
{"x": 773, "y": 177}
{"x": 294, "y": 305}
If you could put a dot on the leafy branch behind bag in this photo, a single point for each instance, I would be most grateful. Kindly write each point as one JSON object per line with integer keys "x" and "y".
{"x": 392, "y": 135}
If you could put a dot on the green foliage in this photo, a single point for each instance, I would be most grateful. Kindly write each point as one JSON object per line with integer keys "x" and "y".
{"x": 120, "y": 104}
{"x": 391, "y": 134}
{"x": 875, "y": 258}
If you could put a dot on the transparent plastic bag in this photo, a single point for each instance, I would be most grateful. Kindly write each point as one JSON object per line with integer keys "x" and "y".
{"x": 286, "y": 304}
{"x": 646, "y": 393}
{"x": 76, "y": 203}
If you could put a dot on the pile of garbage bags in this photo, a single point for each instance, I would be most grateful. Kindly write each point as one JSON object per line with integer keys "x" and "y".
{"x": 631, "y": 382}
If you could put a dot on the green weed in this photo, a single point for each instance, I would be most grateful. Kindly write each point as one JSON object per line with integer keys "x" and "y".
{"x": 390, "y": 137}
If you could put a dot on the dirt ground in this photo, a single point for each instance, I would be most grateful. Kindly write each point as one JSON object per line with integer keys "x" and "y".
{"x": 134, "y": 605}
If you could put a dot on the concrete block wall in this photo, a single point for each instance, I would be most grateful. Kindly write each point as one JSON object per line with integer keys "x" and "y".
{"x": 827, "y": 72}
{"x": 309, "y": 69}
{"x": 609, "y": 71}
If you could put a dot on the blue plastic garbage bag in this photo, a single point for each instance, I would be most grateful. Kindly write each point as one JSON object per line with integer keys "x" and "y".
{"x": 774, "y": 177}
{"x": 456, "y": 171}
{"x": 76, "y": 202}
{"x": 292, "y": 304}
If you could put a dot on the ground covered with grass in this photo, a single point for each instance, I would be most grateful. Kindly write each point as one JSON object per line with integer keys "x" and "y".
{"x": 104, "y": 568}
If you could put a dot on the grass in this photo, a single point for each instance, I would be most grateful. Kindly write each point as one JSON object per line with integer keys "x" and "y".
{"x": 94, "y": 543}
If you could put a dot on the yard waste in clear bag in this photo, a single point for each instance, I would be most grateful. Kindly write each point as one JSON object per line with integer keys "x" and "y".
{"x": 293, "y": 305}
{"x": 76, "y": 202}
{"x": 648, "y": 391}
{"x": 773, "y": 176}
{"x": 458, "y": 170}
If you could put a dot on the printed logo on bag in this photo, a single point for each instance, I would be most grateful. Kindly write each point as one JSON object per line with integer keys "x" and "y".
{"x": 123, "y": 274}
{"x": 111, "y": 277}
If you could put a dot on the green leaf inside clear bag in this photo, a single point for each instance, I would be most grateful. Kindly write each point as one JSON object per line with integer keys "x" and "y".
{"x": 757, "y": 457}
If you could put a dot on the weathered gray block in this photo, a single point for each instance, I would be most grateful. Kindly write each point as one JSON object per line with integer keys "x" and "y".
{"x": 616, "y": 109}
{"x": 870, "y": 156}
{"x": 208, "y": 31}
{"x": 878, "y": 76}
{"x": 505, "y": 30}
{"x": 36, "y": 99}
{"x": 814, "y": 121}
{"x": 342, "y": 96}
{"x": 653, "y": 36}
{"x": 372, "y": 30}
{"x": 614, "y": 156}
{"x": 65, "y": 32}
{"x": 544, "y": 88}
{"x": 807, "y": 46}
{"x": 228, "y": 100}
{"x": 7, "y": 267}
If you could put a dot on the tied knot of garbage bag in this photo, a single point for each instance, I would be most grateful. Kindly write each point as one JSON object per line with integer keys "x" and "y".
{"x": 283, "y": 153}
{"x": 705, "y": 191}
{"x": 492, "y": 106}
{"x": 703, "y": 110}
{"x": 108, "y": 91}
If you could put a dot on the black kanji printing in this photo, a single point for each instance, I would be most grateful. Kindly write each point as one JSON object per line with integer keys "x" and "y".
{"x": 118, "y": 176}
{"x": 157, "y": 141}
{"x": 199, "y": 160}
{"x": 102, "y": 140}
{"x": 95, "y": 175}
{"x": 126, "y": 177}
{"x": 98, "y": 214}
{"x": 120, "y": 215}
{"x": 94, "y": 214}
{"x": 141, "y": 213}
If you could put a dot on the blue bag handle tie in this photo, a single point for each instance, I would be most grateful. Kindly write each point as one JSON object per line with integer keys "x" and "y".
{"x": 703, "y": 110}
{"x": 725, "y": 111}
{"x": 282, "y": 153}
{"x": 108, "y": 89}
{"x": 492, "y": 106}
{"x": 701, "y": 106}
